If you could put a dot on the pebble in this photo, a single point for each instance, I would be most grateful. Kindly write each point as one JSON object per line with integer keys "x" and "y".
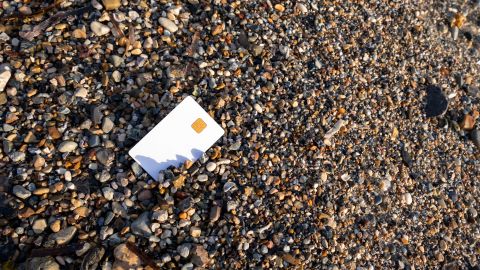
{"x": 195, "y": 232}
{"x": 116, "y": 76}
{"x": 111, "y": 4}
{"x": 108, "y": 193}
{"x": 211, "y": 166}
{"x": 54, "y": 133}
{"x": 228, "y": 186}
{"x": 160, "y": 216}
{"x": 202, "y": 178}
{"x": 472, "y": 213}
{"x": 116, "y": 60}
{"x": 79, "y": 33}
{"x": 257, "y": 51}
{"x": 334, "y": 130}
{"x": 43, "y": 263}
{"x": 21, "y": 192}
{"x": 94, "y": 141}
{"x": 168, "y": 24}
{"x": 105, "y": 157}
{"x": 141, "y": 226}
{"x": 300, "y": 8}
{"x": 30, "y": 138}
{"x": 215, "y": 212}
{"x": 144, "y": 195}
{"x": 475, "y": 136}
{"x": 17, "y": 156}
{"x": 99, "y": 29}
{"x": 179, "y": 181}
{"x": 39, "y": 225}
{"x": 3, "y": 99}
{"x": 81, "y": 93}
{"x": 5, "y": 74}
{"x": 64, "y": 236}
{"x": 279, "y": 7}
{"x": 38, "y": 161}
{"x": 437, "y": 102}
{"x": 107, "y": 125}
{"x": 67, "y": 146}
{"x": 41, "y": 191}
{"x": 407, "y": 198}
{"x": 184, "y": 250}
{"x": 81, "y": 211}
{"x": 468, "y": 122}
{"x": 200, "y": 256}
{"x": 126, "y": 259}
{"x": 55, "y": 226}
{"x": 385, "y": 185}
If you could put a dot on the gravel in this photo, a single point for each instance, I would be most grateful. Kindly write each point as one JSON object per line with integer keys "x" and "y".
{"x": 351, "y": 134}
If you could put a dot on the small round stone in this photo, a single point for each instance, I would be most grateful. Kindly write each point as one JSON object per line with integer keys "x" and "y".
{"x": 211, "y": 166}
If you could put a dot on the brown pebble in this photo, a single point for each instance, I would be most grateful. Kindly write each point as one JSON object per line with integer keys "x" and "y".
{"x": 215, "y": 212}
{"x": 290, "y": 259}
{"x": 55, "y": 226}
{"x": 279, "y": 8}
{"x": 41, "y": 191}
{"x": 54, "y": 133}
{"x": 30, "y": 138}
{"x": 58, "y": 186}
{"x": 179, "y": 181}
{"x": 218, "y": 29}
{"x": 26, "y": 212}
{"x": 79, "y": 33}
{"x": 468, "y": 122}
{"x": 111, "y": 4}
{"x": 11, "y": 117}
{"x": 81, "y": 211}
{"x": 38, "y": 162}
{"x": 200, "y": 256}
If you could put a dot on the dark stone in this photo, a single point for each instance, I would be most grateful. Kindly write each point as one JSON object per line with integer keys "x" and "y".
{"x": 475, "y": 136}
{"x": 453, "y": 195}
{"x": 94, "y": 141}
{"x": 437, "y": 102}
{"x": 406, "y": 157}
{"x": 185, "y": 204}
{"x": 327, "y": 232}
{"x": 243, "y": 40}
{"x": 7, "y": 249}
{"x": 378, "y": 199}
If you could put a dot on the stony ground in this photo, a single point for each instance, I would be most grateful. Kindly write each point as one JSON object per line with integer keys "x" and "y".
{"x": 350, "y": 136}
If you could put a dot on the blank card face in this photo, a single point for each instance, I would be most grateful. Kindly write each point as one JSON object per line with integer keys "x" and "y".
{"x": 184, "y": 134}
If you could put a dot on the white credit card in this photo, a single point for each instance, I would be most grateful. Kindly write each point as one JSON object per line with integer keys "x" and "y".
{"x": 184, "y": 134}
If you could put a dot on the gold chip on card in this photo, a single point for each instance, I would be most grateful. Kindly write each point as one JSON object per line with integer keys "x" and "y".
{"x": 199, "y": 125}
